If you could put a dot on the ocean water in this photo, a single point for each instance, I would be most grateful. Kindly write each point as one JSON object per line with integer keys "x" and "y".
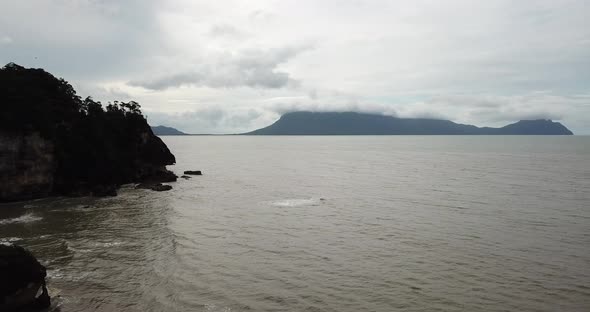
{"x": 390, "y": 223}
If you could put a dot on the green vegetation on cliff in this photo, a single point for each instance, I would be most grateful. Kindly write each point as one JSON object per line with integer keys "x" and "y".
{"x": 95, "y": 149}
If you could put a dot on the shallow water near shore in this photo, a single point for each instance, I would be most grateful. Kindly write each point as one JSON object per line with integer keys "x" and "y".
{"x": 363, "y": 223}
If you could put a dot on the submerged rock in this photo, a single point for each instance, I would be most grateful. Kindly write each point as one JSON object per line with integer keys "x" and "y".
{"x": 22, "y": 281}
{"x": 193, "y": 172}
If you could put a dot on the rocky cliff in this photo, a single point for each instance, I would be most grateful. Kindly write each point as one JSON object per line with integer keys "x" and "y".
{"x": 26, "y": 166}
{"x": 52, "y": 142}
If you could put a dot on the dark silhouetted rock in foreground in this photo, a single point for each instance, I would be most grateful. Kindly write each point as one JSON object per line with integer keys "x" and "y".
{"x": 22, "y": 281}
{"x": 350, "y": 123}
{"x": 52, "y": 142}
{"x": 193, "y": 172}
{"x": 163, "y": 130}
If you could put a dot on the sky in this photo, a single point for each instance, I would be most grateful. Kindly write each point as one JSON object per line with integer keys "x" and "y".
{"x": 229, "y": 66}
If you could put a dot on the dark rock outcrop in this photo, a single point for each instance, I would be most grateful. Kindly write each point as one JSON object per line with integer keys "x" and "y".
{"x": 161, "y": 175}
{"x": 22, "y": 281}
{"x": 52, "y": 142}
{"x": 159, "y": 187}
{"x": 193, "y": 172}
{"x": 352, "y": 123}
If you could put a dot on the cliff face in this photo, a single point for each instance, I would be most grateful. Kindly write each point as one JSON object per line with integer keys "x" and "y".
{"x": 26, "y": 166}
{"x": 54, "y": 143}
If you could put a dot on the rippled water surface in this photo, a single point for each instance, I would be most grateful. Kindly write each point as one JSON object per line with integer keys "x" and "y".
{"x": 329, "y": 224}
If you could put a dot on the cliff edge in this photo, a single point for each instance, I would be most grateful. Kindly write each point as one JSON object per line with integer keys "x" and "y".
{"x": 53, "y": 142}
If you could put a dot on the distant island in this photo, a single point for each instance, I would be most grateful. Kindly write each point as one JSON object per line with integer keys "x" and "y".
{"x": 352, "y": 123}
{"x": 163, "y": 130}
{"x": 53, "y": 142}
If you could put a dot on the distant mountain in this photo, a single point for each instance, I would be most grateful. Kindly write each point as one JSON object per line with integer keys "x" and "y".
{"x": 350, "y": 123}
{"x": 163, "y": 130}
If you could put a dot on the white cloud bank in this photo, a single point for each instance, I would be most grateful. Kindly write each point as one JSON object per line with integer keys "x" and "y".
{"x": 233, "y": 66}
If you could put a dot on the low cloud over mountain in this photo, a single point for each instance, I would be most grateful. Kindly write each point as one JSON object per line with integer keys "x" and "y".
{"x": 484, "y": 62}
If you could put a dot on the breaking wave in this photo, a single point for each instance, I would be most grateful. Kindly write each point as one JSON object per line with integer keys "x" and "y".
{"x": 297, "y": 202}
{"x": 26, "y": 218}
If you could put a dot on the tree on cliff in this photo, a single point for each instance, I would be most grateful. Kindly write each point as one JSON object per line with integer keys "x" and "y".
{"x": 93, "y": 147}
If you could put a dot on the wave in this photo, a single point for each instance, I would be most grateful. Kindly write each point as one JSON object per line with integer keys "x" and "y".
{"x": 107, "y": 244}
{"x": 9, "y": 240}
{"x": 59, "y": 274}
{"x": 296, "y": 202}
{"x": 26, "y": 218}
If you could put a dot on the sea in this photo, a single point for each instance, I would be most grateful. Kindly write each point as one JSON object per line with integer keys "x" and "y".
{"x": 328, "y": 223}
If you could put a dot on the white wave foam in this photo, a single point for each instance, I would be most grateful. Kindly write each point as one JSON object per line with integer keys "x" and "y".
{"x": 296, "y": 202}
{"x": 213, "y": 308}
{"x": 58, "y": 274}
{"x": 26, "y": 218}
{"x": 107, "y": 244}
{"x": 80, "y": 250}
{"x": 7, "y": 241}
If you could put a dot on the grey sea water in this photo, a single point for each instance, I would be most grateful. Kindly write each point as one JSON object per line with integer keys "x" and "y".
{"x": 390, "y": 223}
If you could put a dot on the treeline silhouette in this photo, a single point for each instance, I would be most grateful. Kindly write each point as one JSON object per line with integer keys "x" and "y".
{"x": 94, "y": 147}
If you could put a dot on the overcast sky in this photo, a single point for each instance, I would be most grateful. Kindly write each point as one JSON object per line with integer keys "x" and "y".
{"x": 234, "y": 66}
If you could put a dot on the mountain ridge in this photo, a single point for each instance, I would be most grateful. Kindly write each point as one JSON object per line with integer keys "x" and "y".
{"x": 354, "y": 123}
{"x": 164, "y": 130}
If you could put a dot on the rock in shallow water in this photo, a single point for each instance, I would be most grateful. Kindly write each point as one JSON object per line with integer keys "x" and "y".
{"x": 22, "y": 282}
{"x": 159, "y": 187}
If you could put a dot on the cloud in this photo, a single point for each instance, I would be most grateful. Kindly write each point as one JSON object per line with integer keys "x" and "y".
{"x": 479, "y": 62}
{"x": 496, "y": 109}
{"x": 225, "y": 31}
{"x": 248, "y": 68}
{"x": 81, "y": 40}
{"x": 261, "y": 16}
{"x": 488, "y": 111}
{"x": 5, "y": 40}
{"x": 208, "y": 120}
